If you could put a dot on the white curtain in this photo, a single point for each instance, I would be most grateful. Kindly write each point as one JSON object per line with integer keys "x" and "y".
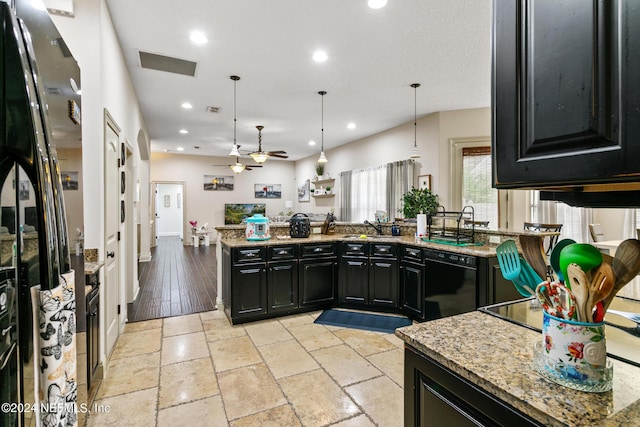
{"x": 575, "y": 221}
{"x": 630, "y": 224}
{"x": 400, "y": 179}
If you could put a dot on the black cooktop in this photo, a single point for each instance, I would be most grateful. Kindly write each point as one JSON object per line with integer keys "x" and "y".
{"x": 623, "y": 335}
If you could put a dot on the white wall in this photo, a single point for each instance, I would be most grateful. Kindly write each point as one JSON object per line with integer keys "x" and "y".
{"x": 433, "y": 134}
{"x": 169, "y": 218}
{"x": 208, "y": 206}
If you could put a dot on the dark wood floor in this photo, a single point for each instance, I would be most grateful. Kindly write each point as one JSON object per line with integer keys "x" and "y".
{"x": 178, "y": 280}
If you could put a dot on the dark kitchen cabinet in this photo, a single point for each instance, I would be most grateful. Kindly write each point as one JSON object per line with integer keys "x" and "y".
{"x": 412, "y": 282}
{"x": 249, "y": 279}
{"x": 282, "y": 279}
{"x": 318, "y": 270}
{"x": 353, "y": 274}
{"x": 368, "y": 275}
{"x": 566, "y": 94}
{"x": 437, "y": 396}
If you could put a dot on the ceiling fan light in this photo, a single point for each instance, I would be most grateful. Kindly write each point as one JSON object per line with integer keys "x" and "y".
{"x": 323, "y": 158}
{"x": 237, "y": 168}
{"x": 234, "y": 151}
{"x": 260, "y": 157}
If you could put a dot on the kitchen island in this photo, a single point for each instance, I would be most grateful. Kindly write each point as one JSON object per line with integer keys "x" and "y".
{"x": 483, "y": 364}
{"x": 422, "y": 279}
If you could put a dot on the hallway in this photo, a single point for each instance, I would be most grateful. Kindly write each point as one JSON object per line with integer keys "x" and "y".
{"x": 178, "y": 280}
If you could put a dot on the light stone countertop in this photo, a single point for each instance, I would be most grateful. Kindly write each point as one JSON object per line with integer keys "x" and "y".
{"x": 496, "y": 355}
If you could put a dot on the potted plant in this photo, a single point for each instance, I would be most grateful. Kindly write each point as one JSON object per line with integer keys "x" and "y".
{"x": 419, "y": 201}
{"x": 320, "y": 170}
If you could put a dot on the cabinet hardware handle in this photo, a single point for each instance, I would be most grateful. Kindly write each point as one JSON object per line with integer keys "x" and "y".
{"x": 282, "y": 252}
{"x": 111, "y": 254}
{"x": 94, "y": 314}
{"x": 250, "y": 254}
{"x": 317, "y": 250}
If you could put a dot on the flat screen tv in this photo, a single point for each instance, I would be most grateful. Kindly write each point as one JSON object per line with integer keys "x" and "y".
{"x": 235, "y": 213}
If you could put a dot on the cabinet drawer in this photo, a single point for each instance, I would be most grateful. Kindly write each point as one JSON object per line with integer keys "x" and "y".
{"x": 282, "y": 252}
{"x": 316, "y": 250}
{"x": 384, "y": 250}
{"x": 244, "y": 255}
{"x": 412, "y": 253}
{"x": 354, "y": 249}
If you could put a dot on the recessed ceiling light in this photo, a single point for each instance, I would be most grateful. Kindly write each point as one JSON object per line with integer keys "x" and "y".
{"x": 184, "y": 131}
{"x": 312, "y": 143}
{"x": 198, "y": 37}
{"x": 320, "y": 56}
{"x": 180, "y": 148}
{"x": 377, "y": 4}
{"x": 351, "y": 125}
{"x": 186, "y": 105}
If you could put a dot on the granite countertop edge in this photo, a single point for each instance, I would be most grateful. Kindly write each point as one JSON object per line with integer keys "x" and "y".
{"x": 479, "y": 251}
{"x": 92, "y": 267}
{"x": 496, "y": 355}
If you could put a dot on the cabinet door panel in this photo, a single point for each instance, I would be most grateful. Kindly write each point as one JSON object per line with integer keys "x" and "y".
{"x": 282, "y": 283}
{"x": 563, "y": 96}
{"x": 249, "y": 290}
{"x": 383, "y": 283}
{"x": 354, "y": 280}
{"x": 317, "y": 281}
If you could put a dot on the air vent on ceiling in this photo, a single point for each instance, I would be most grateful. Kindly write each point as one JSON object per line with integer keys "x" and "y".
{"x": 167, "y": 63}
{"x": 211, "y": 109}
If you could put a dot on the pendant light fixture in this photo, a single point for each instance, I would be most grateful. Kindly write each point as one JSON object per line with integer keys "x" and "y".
{"x": 260, "y": 156}
{"x": 237, "y": 167}
{"x": 415, "y": 154}
{"x": 323, "y": 158}
{"x": 234, "y": 150}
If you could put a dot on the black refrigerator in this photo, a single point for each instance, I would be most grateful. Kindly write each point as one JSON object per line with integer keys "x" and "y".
{"x": 33, "y": 237}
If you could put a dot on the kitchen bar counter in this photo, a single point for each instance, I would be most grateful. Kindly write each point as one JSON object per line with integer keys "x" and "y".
{"x": 496, "y": 355}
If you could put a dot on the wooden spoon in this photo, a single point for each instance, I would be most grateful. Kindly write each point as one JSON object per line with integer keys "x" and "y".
{"x": 580, "y": 288}
{"x": 533, "y": 251}
{"x": 625, "y": 265}
{"x": 602, "y": 283}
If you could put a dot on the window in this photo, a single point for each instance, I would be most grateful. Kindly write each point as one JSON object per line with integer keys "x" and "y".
{"x": 380, "y": 188}
{"x": 476, "y": 184}
{"x": 575, "y": 221}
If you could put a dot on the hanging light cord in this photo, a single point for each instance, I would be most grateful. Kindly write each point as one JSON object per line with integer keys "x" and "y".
{"x": 322, "y": 121}
{"x": 415, "y": 87}
{"x": 234, "y": 112}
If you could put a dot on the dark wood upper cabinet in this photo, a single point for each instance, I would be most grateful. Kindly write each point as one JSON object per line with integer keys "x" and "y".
{"x": 566, "y": 93}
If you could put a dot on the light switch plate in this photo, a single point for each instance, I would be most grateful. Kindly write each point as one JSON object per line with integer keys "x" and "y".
{"x": 494, "y": 239}
{"x": 316, "y": 230}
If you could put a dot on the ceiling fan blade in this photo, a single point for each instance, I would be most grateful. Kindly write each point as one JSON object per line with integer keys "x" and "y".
{"x": 253, "y": 166}
{"x": 276, "y": 154}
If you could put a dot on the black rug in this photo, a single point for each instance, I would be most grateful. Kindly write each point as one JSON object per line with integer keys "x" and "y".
{"x": 366, "y": 321}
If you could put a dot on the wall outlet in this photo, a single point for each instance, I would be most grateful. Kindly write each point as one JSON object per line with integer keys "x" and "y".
{"x": 494, "y": 239}
{"x": 316, "y": 230}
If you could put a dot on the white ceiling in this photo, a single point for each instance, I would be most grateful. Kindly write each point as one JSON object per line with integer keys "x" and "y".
{"x": 374, "y": 56}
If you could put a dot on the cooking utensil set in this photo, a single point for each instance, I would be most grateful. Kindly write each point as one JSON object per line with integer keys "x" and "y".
{"x": 586, "y": 280}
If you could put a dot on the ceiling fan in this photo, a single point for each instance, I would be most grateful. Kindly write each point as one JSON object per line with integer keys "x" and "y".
{"x": 262, "y": 156}
{"x": 238, "y": 167}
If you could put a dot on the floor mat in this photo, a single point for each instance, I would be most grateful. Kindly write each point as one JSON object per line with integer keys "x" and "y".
{"x": 366, "y": 321}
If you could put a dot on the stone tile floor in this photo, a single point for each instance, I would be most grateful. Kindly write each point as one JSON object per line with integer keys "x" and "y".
{"x": 199, "y": 370}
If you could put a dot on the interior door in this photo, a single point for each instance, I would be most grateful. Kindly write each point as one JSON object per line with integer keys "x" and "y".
{"x": 112, "y": 227}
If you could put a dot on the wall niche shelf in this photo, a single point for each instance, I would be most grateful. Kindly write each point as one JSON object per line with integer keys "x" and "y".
{"x": 323, "y": 196}
{"x": 324, "y": 182}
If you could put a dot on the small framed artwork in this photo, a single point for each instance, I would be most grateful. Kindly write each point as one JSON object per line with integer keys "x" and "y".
{"x": 218, "y": 183}
{"x": 424, "y": 181}
{"x": 167, "y": 201}
{"x": 69, "y": 180}
{"x": 304, "y": 192}
{"x": 267, "y": 191}
{"x": 23, "y": 190}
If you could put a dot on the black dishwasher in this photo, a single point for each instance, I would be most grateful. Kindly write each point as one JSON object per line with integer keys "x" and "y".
{"x": 450, "y": 284}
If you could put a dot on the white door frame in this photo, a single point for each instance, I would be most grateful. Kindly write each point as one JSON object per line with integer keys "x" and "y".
{"x": 155, "y": 201}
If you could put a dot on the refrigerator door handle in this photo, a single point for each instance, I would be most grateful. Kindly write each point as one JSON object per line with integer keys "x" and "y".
{"x": 7, "y": 355}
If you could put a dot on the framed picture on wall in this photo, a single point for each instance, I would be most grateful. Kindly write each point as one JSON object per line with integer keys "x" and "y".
{"x": 218, "y": 183}
{"x": 69, "y": 180}
{"x": 424, "y": 181}
{"x": 267, "y": 191}
{"x": 304, "y": 192}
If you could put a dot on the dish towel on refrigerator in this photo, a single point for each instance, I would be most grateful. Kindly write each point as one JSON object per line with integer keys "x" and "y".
{"x": 54, "y": 343}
